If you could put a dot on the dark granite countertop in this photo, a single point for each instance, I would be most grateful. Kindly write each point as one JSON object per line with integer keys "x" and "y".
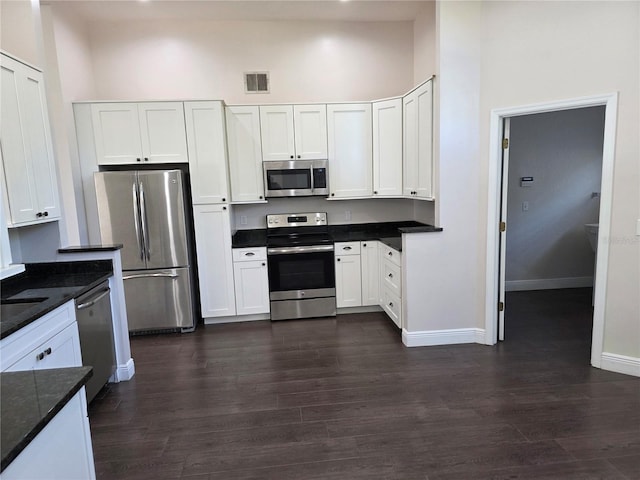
{"x": 30, "y": 400}
{"x": 56, "y": 283}
{"x": 91, "y": 248}
{"x": 384, "y": 232}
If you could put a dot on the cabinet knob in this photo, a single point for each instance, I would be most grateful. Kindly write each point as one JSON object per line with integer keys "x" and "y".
{"x": 375, "y": 193}
{"x": 364, "y": 244}
{"x": 224, "y": 208}
{"x": 390, "y": 254}
{"x": 146, "y": 159}
{"x": 39, "y": 214}
{"x": 291, "y": 156}
{"x": 46, "y": 214}
{"x": 138, "y": 159}
{"x": 333, "y": 194}
{"x": 260, "y": 197}
{"x": 224, "y": 199}
{"x": 298, "y": 156}
{"x": 337, "y": 259}
{"x": 40, "y": 356}
{"x": 264, "y": 264}
{"x": 391, "y": 275}
{"x": 391, "y": 304}
{"x": 48, "y": 351}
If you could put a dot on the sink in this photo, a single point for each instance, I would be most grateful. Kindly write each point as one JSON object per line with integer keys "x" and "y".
{"x": 591, "y": 230}
{"x": 11, "y": 308}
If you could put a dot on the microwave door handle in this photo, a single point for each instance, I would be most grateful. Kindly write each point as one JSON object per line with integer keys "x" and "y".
{"x": 312, "y": 185}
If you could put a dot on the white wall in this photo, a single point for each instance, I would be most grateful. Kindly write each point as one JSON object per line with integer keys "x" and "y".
{"x": 562, "y": 151}
{"x": 307, "y": 61}
{"x": 17, "y": 30}
{"x": 507, "y": 54}
{"x": 424, "y": 43}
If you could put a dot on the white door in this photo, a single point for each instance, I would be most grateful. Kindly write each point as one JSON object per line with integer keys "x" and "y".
{"x": 348, "y": 281}
{"x": 245, "y": 153}
{"x": 116, "y": 132}
{"x": 252, "y": 287}
{"x": 387, "y": 148}
{"x": 310, "y": 126}
{"x": 503, "y": 229}
{"x": 276, "y": 126}
{"x": 349, "y": 133}
{"x": 370, "y": 261}
{"x": 207, "y": 143}
{"x": 215, "y": 260}
{"x": 162, "y": 131}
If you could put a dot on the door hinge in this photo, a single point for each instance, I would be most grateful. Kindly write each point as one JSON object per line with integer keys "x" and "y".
{"x": 505, "y": 143}
{"x": 503, "y": 227}
{"x": 501, "y": 306}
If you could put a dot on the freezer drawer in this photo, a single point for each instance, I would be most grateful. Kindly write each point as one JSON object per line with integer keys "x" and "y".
{"x": 158, "y": 299}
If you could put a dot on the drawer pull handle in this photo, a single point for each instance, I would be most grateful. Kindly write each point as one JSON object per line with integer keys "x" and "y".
{"x": 249, "y": 254}
{"x": 346, "y": 248}
{"x": 390, "y": 254}
{"x": 40, "y": 356}
{"x": 391, "y": 304}
{"x": 48, "y": 351}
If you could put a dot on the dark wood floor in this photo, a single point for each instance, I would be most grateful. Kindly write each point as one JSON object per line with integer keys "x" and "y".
{"x": 344, "y": 399}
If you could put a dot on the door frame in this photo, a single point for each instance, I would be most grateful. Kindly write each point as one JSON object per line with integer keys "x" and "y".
{"x": 610, "y": 102}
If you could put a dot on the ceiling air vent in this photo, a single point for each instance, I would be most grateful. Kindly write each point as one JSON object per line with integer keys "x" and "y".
{"x": 256, "y": 82}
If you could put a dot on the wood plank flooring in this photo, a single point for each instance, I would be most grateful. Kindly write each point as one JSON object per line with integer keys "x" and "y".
{"x": 344, "y": 399}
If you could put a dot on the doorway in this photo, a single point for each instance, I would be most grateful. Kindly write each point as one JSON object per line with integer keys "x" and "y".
{"x": 496, "y": 236}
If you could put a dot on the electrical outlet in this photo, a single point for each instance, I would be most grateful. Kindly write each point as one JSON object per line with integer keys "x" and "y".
{"x": 347, "y": 214}
{"x": 525, "y": 206}
{"x": 243, "y": 220}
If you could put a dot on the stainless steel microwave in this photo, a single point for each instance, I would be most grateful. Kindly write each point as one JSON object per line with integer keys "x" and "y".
{"x": 296, "y": 178}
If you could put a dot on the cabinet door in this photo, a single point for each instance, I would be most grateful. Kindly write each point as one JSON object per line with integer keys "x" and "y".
{"x": 116, "y": 132}
{"x": 245, "y": 153}
{"x": 30, "y": 170}
{"x": 369, "y": 258}
{"x": 276, "y": 127}
{"x": 60, "y": 351}
{"x": 310, "y": 125}
{"x": 207, "y": 148}
{"x": 252, "y": 287}
{"x": 350, "y": 150}
{"x": 162, "y": 130}
{"x": 348, "y": 281}
{"x": 417, "y": 144}
{"x": 387, "y": 148}
{"x": 215, "y": 261}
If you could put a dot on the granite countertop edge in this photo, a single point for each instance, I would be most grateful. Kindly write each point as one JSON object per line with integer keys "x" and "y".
{"x": 78, "y": 377}
{"x": 12, "y": 287}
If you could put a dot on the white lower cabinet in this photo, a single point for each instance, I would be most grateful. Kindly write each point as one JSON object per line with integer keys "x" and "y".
{"x": 348, "y": 274}
{"x": 215, "y": 261}
{"x": 369, "y": 259}
{"x": 391, "y": 283}
{"x": 251, "y": 279}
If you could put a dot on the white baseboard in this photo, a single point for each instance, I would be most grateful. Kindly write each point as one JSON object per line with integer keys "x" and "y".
{"x": 367, "y": 309}
{"x": 443, "y": 337}
{"x": 620, "y": 364}
{"x": 236, "y": 318}
{"x": 124, "y": 372}
{"x": 548, "y": 283}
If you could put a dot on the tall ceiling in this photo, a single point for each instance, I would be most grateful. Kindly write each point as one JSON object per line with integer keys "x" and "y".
{"x": 255, "y": 10}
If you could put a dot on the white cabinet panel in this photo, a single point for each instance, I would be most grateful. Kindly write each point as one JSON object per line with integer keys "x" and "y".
{"x": 349, "y": 133}
{"x": 276, "y": 126}
{"x": 417, "y": 142}
{"x": 310, "y": 131}
{"x": 215, "y": 261}
{"x": 27, "y": 150}
{"x": 207, "y": 147}
{"x": 252, "y": 287}
{"x": 128, "y": 133}
{"x": 369, "y": 258}
{"x": 348, "y": 281}
{"x": 245, "y": 154}
{"x": 392, "y": 305}
{"x": 387, "y": 148}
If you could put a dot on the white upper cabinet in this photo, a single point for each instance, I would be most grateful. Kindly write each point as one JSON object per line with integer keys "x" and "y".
{"x": 27, "y": 150}
{"x": 152, "y": 132}
{"x": 418, "y": 141}
{"x": 207, "y": 143}
{"x": 245, "y": 154}
{"x": 387, "y": 148}
{"x": 350, "y": 145}
{"x": 293, "y": 132}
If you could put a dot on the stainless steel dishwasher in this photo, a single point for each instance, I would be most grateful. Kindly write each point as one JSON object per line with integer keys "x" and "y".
{"x": 93, "y": 314}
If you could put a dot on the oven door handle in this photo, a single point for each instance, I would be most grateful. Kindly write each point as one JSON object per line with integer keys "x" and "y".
{"x": 300, "y": 249}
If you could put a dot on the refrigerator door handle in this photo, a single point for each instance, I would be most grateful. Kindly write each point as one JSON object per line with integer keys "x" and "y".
{"x": 145, "y": 227}
{"x": 147, "y": 275}
{"x": 136, "y": 220}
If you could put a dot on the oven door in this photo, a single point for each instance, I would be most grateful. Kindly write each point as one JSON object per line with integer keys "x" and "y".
{"x": 288, "y": 179}
{"x": 301, "y": 272}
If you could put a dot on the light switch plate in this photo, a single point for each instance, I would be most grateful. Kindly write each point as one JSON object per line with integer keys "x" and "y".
{"x": 638, "y": 228}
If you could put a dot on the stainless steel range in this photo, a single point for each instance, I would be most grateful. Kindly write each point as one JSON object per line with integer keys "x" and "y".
{"x": 301, "y": 266}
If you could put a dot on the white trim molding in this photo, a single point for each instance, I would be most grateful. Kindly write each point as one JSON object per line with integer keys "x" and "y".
{"x": 452, "y": 336}
{"x": 236, "y": 318}
{"x": 620, "y": 364}
{"x": 124, "y": 372}
{"x": 548, "y": 283}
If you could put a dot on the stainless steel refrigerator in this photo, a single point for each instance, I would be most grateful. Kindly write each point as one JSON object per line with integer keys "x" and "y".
{"x": 146, "y": 212}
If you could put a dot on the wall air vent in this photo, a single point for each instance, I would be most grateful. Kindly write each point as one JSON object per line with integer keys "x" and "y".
{"x": 256, "y": 82}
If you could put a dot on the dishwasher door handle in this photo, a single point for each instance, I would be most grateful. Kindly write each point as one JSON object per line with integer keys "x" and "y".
{"x": 93, "y": 301}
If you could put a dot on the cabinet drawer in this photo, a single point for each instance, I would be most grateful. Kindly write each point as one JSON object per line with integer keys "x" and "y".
{"x": 392, "y": 277}
{"x": 18, "y": 344}
{"x": 249, "y": 254}
{"x": 347, "y": 248}
{"x": 392, "y": 305}
{"x": 391, "y": 254}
